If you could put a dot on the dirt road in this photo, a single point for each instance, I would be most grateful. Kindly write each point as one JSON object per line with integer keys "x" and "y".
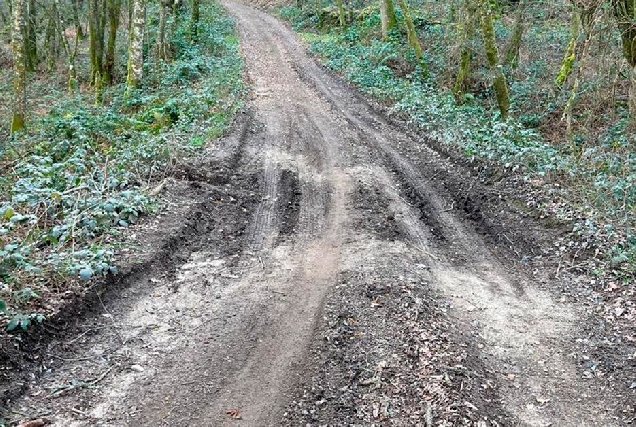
{"x": 317, "y": 198}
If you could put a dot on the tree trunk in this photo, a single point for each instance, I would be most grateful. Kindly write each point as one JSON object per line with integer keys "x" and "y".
{"x": 114, "y": 11}
{"x": 136, "y": 46}
{"x": 514, "y": 45}
{"x": 96, "y": 27}
{"x": 30, "y": 40}
{"x": 176, "y": 10}
{"x": 412, "y": 38}
{"x": 466, "y": 32}
{"x": 163, "y": 47}
{"x": 387, "y": 17}
{"x": 51, "y": 39}
{"x": 76, "y": 20}
{"x": 570, "y": 52}
{"x": 341, "y": 13}
{"x": 19, "y": 67}
{"x": 194, "y": 20}
{"x": 71, "y": 52}
{"x": 625, "y": 13}
{"x": 500, "y": 85}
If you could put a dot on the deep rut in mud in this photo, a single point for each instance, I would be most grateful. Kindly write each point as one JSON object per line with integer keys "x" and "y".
{"x": 320, "y": 219}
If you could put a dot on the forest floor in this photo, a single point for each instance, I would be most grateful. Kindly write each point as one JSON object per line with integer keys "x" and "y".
{"x": 322, "y": 265}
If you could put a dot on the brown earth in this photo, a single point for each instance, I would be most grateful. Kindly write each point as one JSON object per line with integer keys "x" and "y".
{"x": 323, "y": 266}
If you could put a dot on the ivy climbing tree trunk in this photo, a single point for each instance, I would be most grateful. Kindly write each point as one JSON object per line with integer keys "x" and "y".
{"x": 113, "y": 11}
{"x": 388, "y": 19}
{"x": 136, "y": 46}
{"x": 19, "y": 67}
{"x": 500, "y": 85}
{"x": 412, "y": 38}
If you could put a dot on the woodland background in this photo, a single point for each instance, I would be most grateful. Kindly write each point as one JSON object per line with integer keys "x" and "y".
{"x": 100, "y": 99}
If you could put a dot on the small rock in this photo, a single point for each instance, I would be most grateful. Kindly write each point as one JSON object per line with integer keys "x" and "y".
{"x": 137, "y": 368}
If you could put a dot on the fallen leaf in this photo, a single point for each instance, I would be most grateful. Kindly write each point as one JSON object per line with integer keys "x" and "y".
{"x": 234, "y": 413}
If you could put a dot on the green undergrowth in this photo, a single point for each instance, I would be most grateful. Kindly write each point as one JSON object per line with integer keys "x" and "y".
{"x": 81, "y": 173}
{"x": 598, "y": 179}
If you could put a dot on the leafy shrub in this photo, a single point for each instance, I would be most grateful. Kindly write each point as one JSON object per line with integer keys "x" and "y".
{"x": 81, "y": 172}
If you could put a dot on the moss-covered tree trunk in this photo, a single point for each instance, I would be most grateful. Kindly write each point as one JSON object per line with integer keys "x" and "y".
{"x": 388, "y": 19}
{"x": 412, "y": 38}
{"x": 136, "y": 45}
{"x": 342, "y": 17}
{"x": 569, "y": 56}
{"x": 30, "y": 40}
{"x": 514, "y": 44}
{"x": 113, "y": 11}
{"x": 466, "y": 16}
{"x": 96, "y": 29}
{"x": 19, "y": 66}
{"x": 499, "y": 84}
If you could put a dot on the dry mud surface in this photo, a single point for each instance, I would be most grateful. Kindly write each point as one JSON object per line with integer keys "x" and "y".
{"x": 324, "y": 267}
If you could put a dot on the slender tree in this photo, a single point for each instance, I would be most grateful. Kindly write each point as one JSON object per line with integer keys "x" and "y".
{"x": 163, "y": 47}
{"x": 113, "y": 11}
{"x": 514, "y": 45}
{"x": 136, "y": 45}
{"x": 466, "y": 16}
{"x": 19, "y": 67}
{"x": 342, "y": 17}
{"x": 412, "y": 38}
{"x": 387, "y": 17}
{"x": 30, "y": 40}
{"x": 500, "y": 85}
{"x": 71, "y": 51}
{"x": 194, "y": 19}
{"x": 96, "y": 28}
{"x": 625, "y": 13}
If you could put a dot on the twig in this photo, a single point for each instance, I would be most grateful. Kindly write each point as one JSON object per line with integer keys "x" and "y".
{"x": 112, "y": 319}
{"x": 102, "y": 376}
{"x": 158, "y": 189}
{"x": 81, "y": 384}
{"x": 78, "y": 359}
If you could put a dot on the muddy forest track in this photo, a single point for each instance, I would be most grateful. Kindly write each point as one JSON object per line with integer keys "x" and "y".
{"x": 222, "y": 332}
